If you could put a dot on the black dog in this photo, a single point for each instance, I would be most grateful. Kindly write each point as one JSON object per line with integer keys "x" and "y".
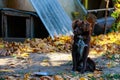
{"x": 81, "y": 46}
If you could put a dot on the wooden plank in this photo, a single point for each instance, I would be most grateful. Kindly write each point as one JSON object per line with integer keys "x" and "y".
{"x": 14, "y": 39}
{"x": 2, "y": 25}
{"x": 28, "y": 24}
{"x": 32, "y": 27}
{"x": 5, "y": 26}
{"x": 13, "y": 13}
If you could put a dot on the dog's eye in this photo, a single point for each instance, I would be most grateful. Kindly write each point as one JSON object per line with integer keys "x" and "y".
{"x": 80, "y": 27}
{"x": 87, "y": 25}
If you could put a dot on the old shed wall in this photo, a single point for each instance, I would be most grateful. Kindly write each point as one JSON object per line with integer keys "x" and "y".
{"x": 2, "y": 3}
{"x": 20, "y": 4}
{"x": 68, "y": 5}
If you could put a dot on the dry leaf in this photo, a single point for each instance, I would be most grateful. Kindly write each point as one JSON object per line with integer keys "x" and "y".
{"x": 90, "y": 75}
{"x": 58, "y": 77}
{"x": 83, "y": 78}
{"x": 46, "y": 78}
{"x": 26, "y": 76}
{"x": 109, "y": 65}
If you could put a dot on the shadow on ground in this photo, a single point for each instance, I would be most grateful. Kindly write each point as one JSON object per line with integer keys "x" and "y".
{"x": 52, "y": 63}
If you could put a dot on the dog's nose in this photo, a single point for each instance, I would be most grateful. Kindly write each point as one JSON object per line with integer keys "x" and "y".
{"x": 75, "y": 31}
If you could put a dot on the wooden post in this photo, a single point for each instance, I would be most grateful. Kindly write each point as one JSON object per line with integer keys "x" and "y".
{"x": 32, "y": 26}
{"x": 28, "y": 27}
{"x": 2, "y": 22}
{"x": 4, "y": 26}
{"x": 106, "y": 14}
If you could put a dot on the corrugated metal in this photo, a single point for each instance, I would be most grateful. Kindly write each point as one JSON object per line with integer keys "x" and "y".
{"x": 83, "y": 11}
{"x": 53, "y": 17}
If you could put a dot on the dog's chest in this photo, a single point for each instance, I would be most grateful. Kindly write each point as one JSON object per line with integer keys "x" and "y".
{"x": 79, "y": 46}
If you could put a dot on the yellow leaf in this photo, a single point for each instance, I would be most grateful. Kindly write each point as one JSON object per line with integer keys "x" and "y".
{"x": 1, "y": 45}
{"x": 117, "y": 42}
{"x": 90, "y": 75}
{"x": 26, "y": 76}
{"x": 45, "y": 78}
{"x": 24, "y": 54}
{"x": 58, "y": 77}
{"x": 97, "y": 73}
{"x": 45, "y": 60}
{"x": 83, "y": 78}
{"x": 101, "y": 79}
{"x": 109, "y": 64}
{"x": 6, "y": 70}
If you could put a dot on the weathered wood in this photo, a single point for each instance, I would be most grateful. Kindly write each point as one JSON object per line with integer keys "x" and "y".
{"x": 29, "y": 23}
{"x": 2, "y": 26}
{"x": 5, "y": 26}
{"x": 28, "y": 27}
{"x": 14, "y": 39}
{"x": 32, "y": 27}
{"x": 13, "y": 13}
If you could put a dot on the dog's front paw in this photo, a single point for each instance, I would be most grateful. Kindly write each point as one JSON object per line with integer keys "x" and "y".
{"x": 82, "y": 71}
{"x": 74, "y": 69}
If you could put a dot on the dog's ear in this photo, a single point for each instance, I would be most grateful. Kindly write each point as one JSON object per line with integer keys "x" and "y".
{"x": 76, "y": 23}
{"x": 86, "y": 25}
{"x": 89, "y": 26}
{"x": 91, "y": 18}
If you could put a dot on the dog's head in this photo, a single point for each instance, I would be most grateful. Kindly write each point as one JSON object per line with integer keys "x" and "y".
{"x": 80, "y": 27}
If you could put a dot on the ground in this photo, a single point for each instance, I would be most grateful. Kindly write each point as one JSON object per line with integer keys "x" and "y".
{"x": 53, "y": 63}
{"x": 35, "y": 56}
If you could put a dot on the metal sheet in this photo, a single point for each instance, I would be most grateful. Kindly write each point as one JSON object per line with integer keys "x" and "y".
{"x": 53, "y": 17}
{"x": 80, "y": 7}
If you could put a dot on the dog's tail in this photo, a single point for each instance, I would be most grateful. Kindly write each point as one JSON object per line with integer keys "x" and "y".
{"x": 91, "y": 66}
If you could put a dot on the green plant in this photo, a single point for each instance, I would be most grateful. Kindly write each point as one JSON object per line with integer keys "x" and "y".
{"x": 2, "y": 78}
{"x": 116, "y": 15}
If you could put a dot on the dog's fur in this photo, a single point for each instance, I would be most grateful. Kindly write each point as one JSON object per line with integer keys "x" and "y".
{"x": 82, "y": 31}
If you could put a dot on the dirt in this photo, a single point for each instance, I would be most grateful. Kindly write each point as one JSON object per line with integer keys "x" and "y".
{"x": 52, "y": 63}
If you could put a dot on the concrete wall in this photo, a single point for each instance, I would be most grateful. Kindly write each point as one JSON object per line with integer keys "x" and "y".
{"x": 20, "y": 4}
{"x": 68, "y": 5}
{"x": 2, "y": 3}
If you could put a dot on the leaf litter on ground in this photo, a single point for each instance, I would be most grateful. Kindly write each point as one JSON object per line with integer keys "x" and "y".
{"x": 103, "y": 45}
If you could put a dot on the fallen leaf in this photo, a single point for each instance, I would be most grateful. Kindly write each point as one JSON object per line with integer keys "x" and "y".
{"x": 24, "y": 54}
{"x": 109, "y": 65}
{"x": 26, "y": 76}
{"x": 58, "y": 77}
{"x": 6, "y": 70}
{"x": 97, "y": 73}
{"x": 90, "y": 75}
{"x": 46, "y": 78}
{"x": 83, "y": 78}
